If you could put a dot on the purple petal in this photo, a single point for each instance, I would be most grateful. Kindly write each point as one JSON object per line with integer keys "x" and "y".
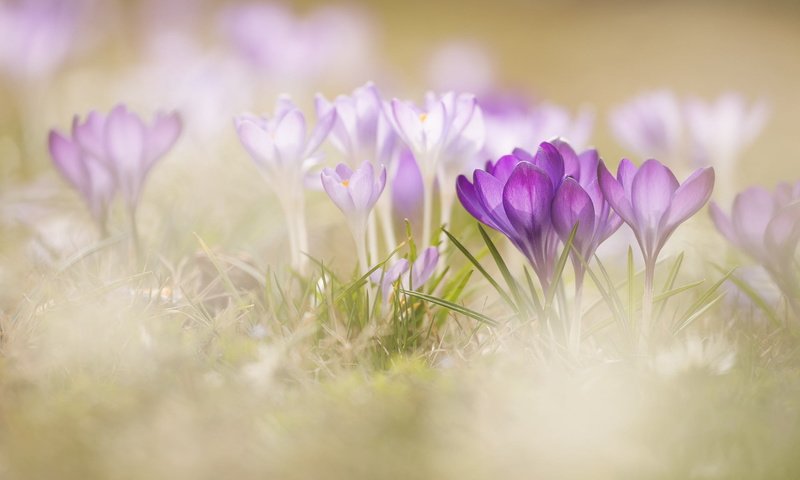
{"x": 162, "y": 135}
{"x": 471, "y": 202}
{"x": 90, "y": 134}
{"x": 527, "y": 199}
{"x": 125, "y": 137}
{"x": 324, "y": 126}
{"x": 290, "y": 137}
{"x": 751, "y": 213}
{"x": 408, "y": 124}
{"x": 424, "y": 266}
{"x": 257, "y": 141}
{"x": 573, "y": 205}
{"x": 570, "y": 158}
{"x": 615, "y": 195}
{"x": 549, "y": 159}
{"x": 337, "y": 191}
{"x": 407, "y": 188}
{"x": 67, "y": 159}
{"x": 690, "y": 197}
{"x": 361, "y": 185}
{"x": 490, "y": 193}
{"x": 651, "y": 193}
{"x": 723, "y": 223}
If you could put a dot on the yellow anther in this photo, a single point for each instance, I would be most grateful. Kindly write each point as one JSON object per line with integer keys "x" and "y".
{"x": 423, "y": 117}
{"x": 346, "y": 183}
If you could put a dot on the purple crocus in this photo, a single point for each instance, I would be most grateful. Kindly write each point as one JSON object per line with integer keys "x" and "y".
{"x": 420, "y": 272}
{"x": 514, "y": 196}
{"x": 653, "y": 203}
{"x": 649, "y": 125}
{"x": 355, "y": 193}
{"x": 106, "y": 154}
{"x": 766, "y": 226}
{"x": 284, "y": 152}
{"x": 579, "y": 200}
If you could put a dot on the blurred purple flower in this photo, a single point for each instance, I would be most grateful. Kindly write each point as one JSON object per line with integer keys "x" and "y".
{"x": 279, "y": 144}
{"x": 407, "y": 188}
{"x": 652, "y": 201}
{"x": 721, "y": 129}
{"x": 649, "y": 125}
{"x": 511, "y": 122}
{"x": 36, "y": 36}
{"x": 330, "y": 41}
{"x": 106, "y": 154}
{"x": 766, "y": 226}
{"x": 362, "y": 131}
{"x": 421, "y": 271}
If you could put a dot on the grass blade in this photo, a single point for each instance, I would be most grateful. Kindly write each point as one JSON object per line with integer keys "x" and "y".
{"x": 451, "y": 306}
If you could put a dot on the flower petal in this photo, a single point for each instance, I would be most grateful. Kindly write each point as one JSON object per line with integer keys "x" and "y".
{"x": 690, "y": 197}
{"x": 290, "y": 137}
{"x": 573, "y": 205}
{"x": 651, "y": 193}
{"x": 527, "y": 199}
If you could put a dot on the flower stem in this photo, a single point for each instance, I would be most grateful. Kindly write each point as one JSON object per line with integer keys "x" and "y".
{"x": 577, "y": 317}
{"x": 427, "y": 212}
{"x": 135, "y": 240}
{"x": 372, "y": 236}
{"x": 647, "y": 298}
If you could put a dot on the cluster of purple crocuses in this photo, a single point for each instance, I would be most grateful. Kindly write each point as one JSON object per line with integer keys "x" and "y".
{"x": 427, "y": 156}
{"x": 542, "y": 200}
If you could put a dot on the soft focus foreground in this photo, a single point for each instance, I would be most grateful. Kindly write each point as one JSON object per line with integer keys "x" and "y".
{"x": 203, "y": 277}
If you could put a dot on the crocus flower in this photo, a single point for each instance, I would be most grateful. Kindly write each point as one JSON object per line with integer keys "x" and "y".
{"x": 514, "y": 196}
{"x": 284, "y": 153}
{"x": 448, "y": 133}
{"x": 579, "y": 200}
{"x": 355, "y": 193}
{"x": 421, "y": 271}
{"x": 113, "y": 153}
{"x": 720, "y": 130}
{"x": 766, "y": 226}
{"x": 362, "y": 131}
{"x": 653, "y": 203}
{"x": 649, "y": 125}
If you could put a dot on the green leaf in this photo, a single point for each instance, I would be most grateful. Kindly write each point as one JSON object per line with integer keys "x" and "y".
{"x": 559, "y": 270}
{"x": 501, "y": 265}
{"x": 483, "y": 271}
{"x": 451, "y": 306}
{"x": 701, "y": 304}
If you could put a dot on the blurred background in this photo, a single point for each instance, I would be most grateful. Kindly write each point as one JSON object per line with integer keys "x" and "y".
{"x": 159, "y": 54}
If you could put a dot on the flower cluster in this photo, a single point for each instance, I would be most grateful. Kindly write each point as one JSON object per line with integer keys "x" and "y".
{"x": 109, "y": 154}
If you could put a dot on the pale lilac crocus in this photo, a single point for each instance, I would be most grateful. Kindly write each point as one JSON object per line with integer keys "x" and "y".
{"x": 720, "y": 130}
{"x": 650, "y": 125}
{"x": 766, "y": 226}
{"x": 284, "y": 151}
{"x": 443, "y": 134}
{"x": 363, "y": 133}
{"x": 355, "y": 192}
{"x": 110, "y": 154}
{"x": 413, "y": 278}
{"x": 653, "y": 203}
